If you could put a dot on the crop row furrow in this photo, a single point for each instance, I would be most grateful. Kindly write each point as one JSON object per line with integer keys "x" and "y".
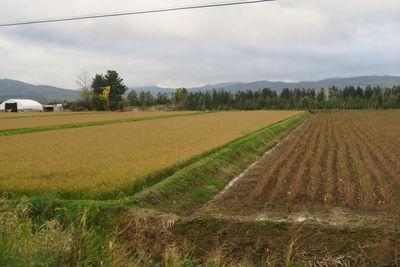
{"x": 318, "y": 165}
{"x": 285, "y": 176}
{"x": 367, "y": 173}
{"x": 331, "y": 183}
{"x": 346, "y": 174}
{"x": 375, "y": 165}
{"x": 267, "y": 180}
{"x": 299, "y": 185}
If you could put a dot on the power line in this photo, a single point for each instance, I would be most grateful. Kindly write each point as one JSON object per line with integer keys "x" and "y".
{"x": 131, "y": 13}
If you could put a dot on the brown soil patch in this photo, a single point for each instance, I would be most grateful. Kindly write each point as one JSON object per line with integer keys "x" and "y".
{"x": 338, "y": 168}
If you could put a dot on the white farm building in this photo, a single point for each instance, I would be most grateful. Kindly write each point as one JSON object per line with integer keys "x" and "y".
{"x": 20, "y": 105}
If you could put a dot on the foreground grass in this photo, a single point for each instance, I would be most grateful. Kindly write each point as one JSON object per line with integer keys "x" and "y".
{"x": 35, "y": 235}
{"x": 29, "y": 237}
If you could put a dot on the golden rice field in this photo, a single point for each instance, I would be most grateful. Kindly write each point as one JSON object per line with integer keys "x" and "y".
{"x": 41, "y": 114}
{"x": 94, "y": 160}
{"x": 69, "y": 118}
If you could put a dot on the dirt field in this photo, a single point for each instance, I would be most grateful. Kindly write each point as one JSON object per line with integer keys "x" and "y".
{"x": 338, "y": 168}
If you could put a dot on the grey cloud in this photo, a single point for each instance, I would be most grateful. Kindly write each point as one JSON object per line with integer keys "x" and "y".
{"x": 284, "y": 40}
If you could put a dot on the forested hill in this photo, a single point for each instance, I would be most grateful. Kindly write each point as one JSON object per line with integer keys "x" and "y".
{"x": 43, "y": 93}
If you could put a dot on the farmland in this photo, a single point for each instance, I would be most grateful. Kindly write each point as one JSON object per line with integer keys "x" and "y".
{"x": 12, "y": 115}
{"x": 88, "y": 162}
{"x": 325, "y": 194}
{"x": 72, "y": 118}
{"x": 338, "y": 167}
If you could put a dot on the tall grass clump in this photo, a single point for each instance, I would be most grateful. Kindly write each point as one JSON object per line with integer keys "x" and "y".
{"x": 26, "y": 240}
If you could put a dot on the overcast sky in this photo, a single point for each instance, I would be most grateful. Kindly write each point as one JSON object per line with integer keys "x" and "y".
{"x": 289, "y": 40}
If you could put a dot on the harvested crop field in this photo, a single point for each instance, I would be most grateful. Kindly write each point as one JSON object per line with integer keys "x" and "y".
{"x": 88, "y": 162}
{"x": 340, "y": 168}
{"x": 70, "y": 118}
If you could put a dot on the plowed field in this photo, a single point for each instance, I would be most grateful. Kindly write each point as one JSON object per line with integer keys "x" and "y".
{"x": 342, "y": 168}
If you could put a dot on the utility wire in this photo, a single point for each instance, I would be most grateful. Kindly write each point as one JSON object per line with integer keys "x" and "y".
{"x": 132, "y": 13}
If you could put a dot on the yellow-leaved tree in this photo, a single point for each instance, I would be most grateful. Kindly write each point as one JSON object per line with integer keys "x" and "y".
{"x": 105, "y": 96}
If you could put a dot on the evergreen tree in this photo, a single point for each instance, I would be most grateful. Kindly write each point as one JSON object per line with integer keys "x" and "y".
{"x": 133, "y": 99}
{"x": 117, "y": 89}
{"x": 181, "y": 97}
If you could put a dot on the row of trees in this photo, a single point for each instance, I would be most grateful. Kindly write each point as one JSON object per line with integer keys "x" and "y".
{"x": 106, "y": 92}
{"x": 147, "y": 99}
{"x": 333, "y": 98}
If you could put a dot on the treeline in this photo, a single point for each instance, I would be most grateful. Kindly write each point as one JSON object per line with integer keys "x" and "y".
{"x": 349, "y": 97}
{"x": 107, "y": 92}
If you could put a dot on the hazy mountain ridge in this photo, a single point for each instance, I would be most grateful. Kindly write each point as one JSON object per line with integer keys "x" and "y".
{"x": 42, "y": 93}
{"x": 383, "y": 81}
{"x": 154, "y": 89}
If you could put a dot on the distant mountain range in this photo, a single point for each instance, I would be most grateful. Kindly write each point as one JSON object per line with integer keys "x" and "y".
{"x": 155, "y": 89}
{"x": 383, "y": 81}
{"x": 44, "y": 93}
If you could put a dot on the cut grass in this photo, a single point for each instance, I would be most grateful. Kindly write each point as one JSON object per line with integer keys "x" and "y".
{"x": 88, "y": 124}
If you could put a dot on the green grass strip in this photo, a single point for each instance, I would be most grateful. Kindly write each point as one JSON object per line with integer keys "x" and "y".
{"x": 194, "y": 185}
{"x": 88, "y": 124}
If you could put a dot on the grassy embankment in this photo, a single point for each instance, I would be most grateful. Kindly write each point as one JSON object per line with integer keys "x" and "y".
{"x": 190, "y": 187}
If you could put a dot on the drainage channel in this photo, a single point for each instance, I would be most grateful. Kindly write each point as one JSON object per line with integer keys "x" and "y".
{"x": 239, "y": 176}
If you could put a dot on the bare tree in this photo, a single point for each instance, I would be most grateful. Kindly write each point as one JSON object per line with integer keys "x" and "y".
{"x": 83, "y": 80}
{"x": 86, "y": 95}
